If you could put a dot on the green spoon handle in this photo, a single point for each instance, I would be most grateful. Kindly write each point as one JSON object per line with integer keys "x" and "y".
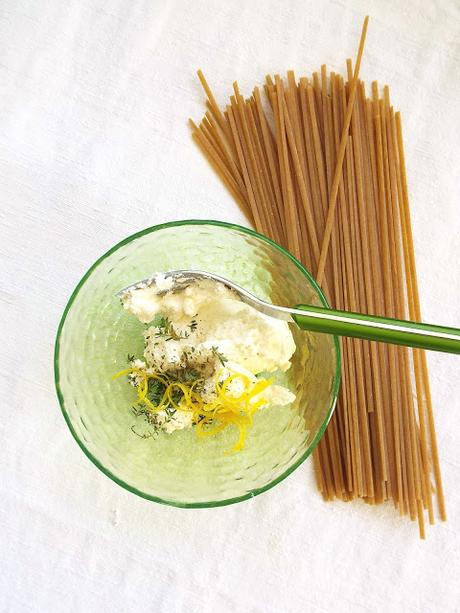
{"x": 373, "y": 328}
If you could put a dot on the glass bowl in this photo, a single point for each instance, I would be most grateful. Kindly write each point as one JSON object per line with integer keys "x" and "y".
{"x": 96, "y": 335}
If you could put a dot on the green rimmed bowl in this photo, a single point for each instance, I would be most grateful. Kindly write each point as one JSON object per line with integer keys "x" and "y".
{"x": 96, "y": 335}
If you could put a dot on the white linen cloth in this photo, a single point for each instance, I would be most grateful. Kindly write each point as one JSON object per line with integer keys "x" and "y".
{"x": 94, "y": 99}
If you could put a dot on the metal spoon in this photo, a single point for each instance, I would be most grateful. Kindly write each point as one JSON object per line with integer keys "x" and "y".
{"x": 330, "y": 321}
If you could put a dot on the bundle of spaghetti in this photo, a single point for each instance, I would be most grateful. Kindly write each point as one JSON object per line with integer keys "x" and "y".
{"x": 319, "y": 166}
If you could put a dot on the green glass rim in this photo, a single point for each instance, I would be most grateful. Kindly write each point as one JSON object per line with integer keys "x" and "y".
{"x": 106, "y": 471}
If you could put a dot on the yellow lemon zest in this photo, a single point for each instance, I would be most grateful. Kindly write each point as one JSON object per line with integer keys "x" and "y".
{"x": 128, "y": 371}
{"x": 210, "y": 418}
{"x": 185, "y": 389}
{"x": 230, "y": 409}
{"x": 215, "y": 429}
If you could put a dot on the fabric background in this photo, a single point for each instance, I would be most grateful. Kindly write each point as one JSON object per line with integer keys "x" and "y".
{"x": 94, "y": 98}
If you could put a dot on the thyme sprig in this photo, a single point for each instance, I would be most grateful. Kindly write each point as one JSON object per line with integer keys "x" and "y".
{"x": 166, "y": 329}
{"x": 219, "y": 355}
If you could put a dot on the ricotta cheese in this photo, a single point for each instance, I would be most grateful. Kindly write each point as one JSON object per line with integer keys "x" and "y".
{"x": 205, "y": 329}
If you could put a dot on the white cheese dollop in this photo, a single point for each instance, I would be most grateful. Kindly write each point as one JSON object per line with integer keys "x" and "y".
{"x": 243, "y": 334}
{"x": 251, "y": 342}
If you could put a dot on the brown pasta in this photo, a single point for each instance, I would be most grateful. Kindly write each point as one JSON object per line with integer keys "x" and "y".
{"x": 320, "y": 168}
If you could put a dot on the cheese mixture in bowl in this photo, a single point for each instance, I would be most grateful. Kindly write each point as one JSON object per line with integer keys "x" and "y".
{"x": 208, "y": 359}
{"x": 208, "y": 429}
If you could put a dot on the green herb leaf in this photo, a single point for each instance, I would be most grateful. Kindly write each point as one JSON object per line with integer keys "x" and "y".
{"x": 165, "y": 328}
{"x": 220, "y": 356}
{"x": 156, "y": 391}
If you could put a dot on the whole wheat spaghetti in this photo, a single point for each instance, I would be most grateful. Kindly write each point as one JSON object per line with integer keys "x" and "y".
{"x": 319, "y": 166}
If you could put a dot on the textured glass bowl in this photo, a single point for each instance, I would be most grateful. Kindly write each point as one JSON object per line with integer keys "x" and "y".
{"x": 96, "y": 335}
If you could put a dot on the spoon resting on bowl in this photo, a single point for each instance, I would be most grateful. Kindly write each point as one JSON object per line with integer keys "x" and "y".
{"x": 320, "y": 319}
